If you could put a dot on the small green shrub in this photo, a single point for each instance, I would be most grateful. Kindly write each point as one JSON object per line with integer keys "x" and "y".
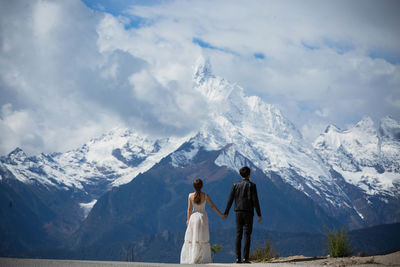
{"x": 215, "y": 249}
{"x": 265, "y": 253}
{"x": 339, "y": 244}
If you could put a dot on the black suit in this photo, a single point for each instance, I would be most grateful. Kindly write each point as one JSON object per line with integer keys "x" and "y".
{"x": 246, "y": 200}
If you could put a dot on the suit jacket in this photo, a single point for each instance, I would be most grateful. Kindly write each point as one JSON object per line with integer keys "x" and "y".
{"x": 245, "y": 195}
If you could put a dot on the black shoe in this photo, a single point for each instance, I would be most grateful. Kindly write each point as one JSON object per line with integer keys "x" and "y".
{"x": 246, "y": 261}
{"x": 238, "y": 261}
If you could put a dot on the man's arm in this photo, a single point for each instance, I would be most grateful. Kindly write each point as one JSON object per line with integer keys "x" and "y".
{"x": 256, "y": 203}
{"x": 230, "y": 201}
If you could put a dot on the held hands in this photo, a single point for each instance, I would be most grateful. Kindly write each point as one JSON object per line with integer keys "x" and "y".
{"x": 223, "y": 216}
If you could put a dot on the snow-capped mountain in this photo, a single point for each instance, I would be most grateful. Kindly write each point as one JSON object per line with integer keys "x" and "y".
{"x": 110, "y": 160}
{"x": 259, "y": 133}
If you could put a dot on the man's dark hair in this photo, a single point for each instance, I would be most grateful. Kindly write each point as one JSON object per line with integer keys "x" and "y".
{"x": 245, "y": 172}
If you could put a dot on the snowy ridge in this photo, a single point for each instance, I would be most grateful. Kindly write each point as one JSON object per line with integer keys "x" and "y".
{"x": 365, "y": 156}
{"x": 112, "y": 159}
{"x": 119, "y": 155}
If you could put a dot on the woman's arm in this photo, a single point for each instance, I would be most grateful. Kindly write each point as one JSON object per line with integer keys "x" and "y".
{"x": 214, "y": 207}
{"x": 189, "y": 210}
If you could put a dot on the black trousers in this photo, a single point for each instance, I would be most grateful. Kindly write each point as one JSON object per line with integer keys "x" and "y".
{"x": 244, "y": 220}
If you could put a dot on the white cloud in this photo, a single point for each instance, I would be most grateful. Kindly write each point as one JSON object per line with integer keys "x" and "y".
{"x": 145, "y": 86}
{"x": 322, "y": 112}
{"x": 48, "y": 64}
{"x": 312, "y": 129}
{"x": 18, "y": 128}
{"x": 393, "y": 101}
{"x": 72, "y": 73}
{"x": 46, "y": 17}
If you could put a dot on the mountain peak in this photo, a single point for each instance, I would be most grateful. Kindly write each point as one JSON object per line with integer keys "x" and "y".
{"x": 16, "y": 150}
{"x": 202, "y": 70}
{"x": 332, "y": 128}
{"x": 17, "y": 155}
{"x": 365, "y": 123}
{"x": 216, "y": 90}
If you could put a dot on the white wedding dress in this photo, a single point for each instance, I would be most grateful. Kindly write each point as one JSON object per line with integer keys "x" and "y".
{"x": 196, "y": 248}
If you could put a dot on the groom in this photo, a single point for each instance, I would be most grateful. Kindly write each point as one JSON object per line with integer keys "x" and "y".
{"x": 246, "y": 200}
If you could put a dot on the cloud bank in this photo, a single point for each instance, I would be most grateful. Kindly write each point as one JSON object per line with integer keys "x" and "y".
{"x": 69, "y": 72}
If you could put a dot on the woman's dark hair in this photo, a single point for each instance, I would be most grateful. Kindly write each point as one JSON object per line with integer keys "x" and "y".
{"x": 197, "y": 184}
{"x": 245, "y": 172}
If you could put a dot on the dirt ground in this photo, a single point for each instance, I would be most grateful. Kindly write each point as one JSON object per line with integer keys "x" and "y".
{"x": 372, "y": 261}
{"x": 392, "y": 259}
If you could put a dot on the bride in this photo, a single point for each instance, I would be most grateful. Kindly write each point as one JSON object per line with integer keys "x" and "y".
{"x": 196, "y": 248}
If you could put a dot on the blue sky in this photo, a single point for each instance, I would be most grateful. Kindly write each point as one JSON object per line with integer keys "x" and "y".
{"x": 120, "y": 7}
{"x": 72, "y": 70}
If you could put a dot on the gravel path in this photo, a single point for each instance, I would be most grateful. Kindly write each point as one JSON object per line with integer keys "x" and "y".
{"x": 6, "y": 262}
